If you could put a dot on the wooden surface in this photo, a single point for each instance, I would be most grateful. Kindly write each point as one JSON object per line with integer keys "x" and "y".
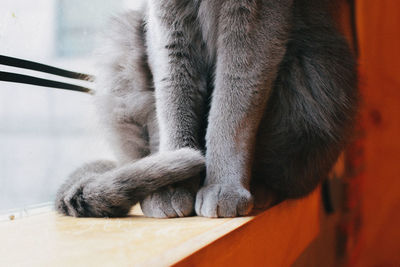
{"x": 378, "y": 25}
{"x": 277, "y": 235}
{"x": 274, "y": 238}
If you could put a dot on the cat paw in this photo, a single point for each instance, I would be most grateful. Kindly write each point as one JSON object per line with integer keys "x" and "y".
{"x": 169, "y": 202}
{"x": 217, "y": 200}
{"x": 82, "y": 194}
{"x": 85, "y": 200}
{"x": 70, "y": 201}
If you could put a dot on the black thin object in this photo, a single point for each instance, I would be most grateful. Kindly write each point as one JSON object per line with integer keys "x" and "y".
{"x": 327, "y": 197}
{"x": 26, "y": 64}
{"x": 26, "y": 79}
{"x": 353, "y": 25}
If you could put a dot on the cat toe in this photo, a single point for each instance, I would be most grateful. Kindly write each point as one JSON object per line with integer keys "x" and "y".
{"x": 73, "y": 203}
{"x": 182, "y": 202}
{"x": 61, "y": 207}
{"x": 169, "y": 202}
{"x": 223, "y": 201}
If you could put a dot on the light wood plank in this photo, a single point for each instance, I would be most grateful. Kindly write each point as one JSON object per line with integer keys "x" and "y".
{"x": 275, "y": 237}
{"x": 53, "y": 240}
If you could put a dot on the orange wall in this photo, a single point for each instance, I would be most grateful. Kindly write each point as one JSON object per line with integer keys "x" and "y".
{"x": 378, "y": 26}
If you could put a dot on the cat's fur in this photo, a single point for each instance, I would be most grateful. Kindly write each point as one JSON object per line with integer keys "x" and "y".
{"x": 265, "y": 88}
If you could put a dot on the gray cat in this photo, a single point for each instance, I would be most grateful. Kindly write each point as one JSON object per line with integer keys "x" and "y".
{"x": 264, "y": 89}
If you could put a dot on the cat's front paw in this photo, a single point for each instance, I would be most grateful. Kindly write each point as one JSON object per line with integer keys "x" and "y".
{"x": 220, "y": 200}
{"x": 169, "y": 202}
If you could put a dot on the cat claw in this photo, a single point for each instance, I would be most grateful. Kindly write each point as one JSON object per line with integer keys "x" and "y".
{"x": 217, "y": 200}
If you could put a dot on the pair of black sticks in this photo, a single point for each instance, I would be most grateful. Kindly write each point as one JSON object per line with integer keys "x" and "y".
{"x": 30, "y": 65}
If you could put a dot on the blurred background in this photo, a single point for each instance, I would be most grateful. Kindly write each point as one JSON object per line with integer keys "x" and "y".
{"x": 46, "y": 133}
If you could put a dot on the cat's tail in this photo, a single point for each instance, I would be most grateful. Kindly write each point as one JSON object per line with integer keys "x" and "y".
{"x": 89, "y": 193}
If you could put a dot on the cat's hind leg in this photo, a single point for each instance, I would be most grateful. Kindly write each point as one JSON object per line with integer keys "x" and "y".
{"x": 114, "y": 192}
{"x": 125, "y": 105}
{"x": 309, "y": 115}
{"x": 125, "y": 100}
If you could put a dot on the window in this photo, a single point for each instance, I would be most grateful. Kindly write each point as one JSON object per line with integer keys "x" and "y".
{"x": 46, "y": 133}
{"x": 78, "y": 22}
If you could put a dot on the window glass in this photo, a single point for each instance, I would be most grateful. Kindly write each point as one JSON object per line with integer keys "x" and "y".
{"x": 46, "y": 133}
{"x": 76, "y": 30}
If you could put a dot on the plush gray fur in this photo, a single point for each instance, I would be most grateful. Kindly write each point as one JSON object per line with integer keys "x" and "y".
{"x": 265, "y": 88}
{"x": 101, "y": 189}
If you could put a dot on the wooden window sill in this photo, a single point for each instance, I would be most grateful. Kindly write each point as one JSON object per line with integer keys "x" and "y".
{"x": 275, "y": 237}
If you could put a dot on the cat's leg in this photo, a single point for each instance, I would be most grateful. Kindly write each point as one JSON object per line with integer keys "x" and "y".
{"x": 127, "y": 107}
{"x": 125, "y": 104}
{"x": 112, "y": 193}
{"x": 177, "y": 62}
{"x": 125, "y": 99}
{"x": 98, "y": 188}
{"x": 251, "y": 44}
{"x": 310, "y": 113}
